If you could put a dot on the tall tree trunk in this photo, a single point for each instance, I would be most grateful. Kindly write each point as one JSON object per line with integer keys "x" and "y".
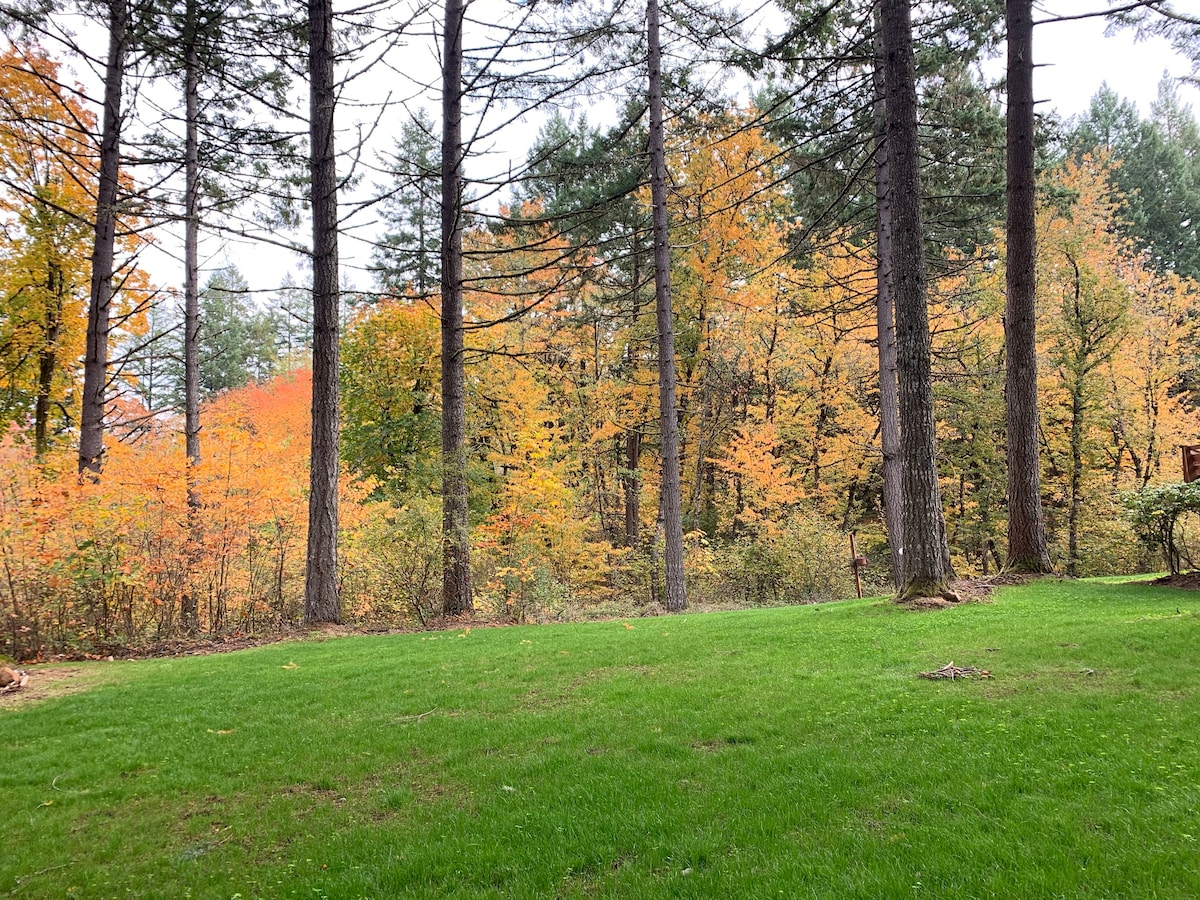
{"x": 926, "y": 554}
{"x": 697, "y": 507}
{"x": 321, "y": 603}
{"x": 48, "y": 359}
{"x": 1027, "y": 550}
{"x": 189, "y": 606}
{"x": 671, "y": 503}
{"x": 456, "y": 548}
{"x": 631, "y": 480}
{"x": 95, "y": 362}
{"x": 889, "y": 398}
{"x": 1075, "y": 477}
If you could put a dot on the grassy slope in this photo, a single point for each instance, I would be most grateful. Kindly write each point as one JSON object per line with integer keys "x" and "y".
{"x": 789, "y": 752}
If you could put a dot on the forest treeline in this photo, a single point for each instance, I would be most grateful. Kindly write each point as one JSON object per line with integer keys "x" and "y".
{"x": 196, "y": 517}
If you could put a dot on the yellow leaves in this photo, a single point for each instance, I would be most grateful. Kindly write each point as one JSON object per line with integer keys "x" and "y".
{"x": 291, "y": 665}
{"x": 767, "y": 484}
{"x": 48, "y": 175}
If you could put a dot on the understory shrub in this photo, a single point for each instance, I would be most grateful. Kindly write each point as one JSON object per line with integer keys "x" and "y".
{"x": 799, "y": 560}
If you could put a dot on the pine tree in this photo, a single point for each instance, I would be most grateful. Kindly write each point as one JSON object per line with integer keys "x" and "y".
{"x": 1027, "y": 549}
{"x": 926, "y": 555}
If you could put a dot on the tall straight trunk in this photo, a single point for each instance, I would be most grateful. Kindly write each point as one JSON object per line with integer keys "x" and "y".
{"x": 48, "y": 359}
{"x": 631, "y": 482}
{"x": 456, "y": 548}
{"x": 631, "y": 478}
{"x": 188, "y": 605}
{"x": 95, "y": 362}
{"x": 926, "y": 554}
{"x": 1075, "y": 477}
{"x": 1027, "y": 550}
{"x": 191, "y": 258}
{"x": 889, "y": 398}
{"x": 321, "y": 603}
{"x": 670, "y": 502}
{"x": 699, "y": 502}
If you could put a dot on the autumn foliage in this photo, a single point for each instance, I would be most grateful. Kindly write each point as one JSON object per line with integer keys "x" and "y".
{"x": 93, "y": 564}
{"x": 778, "y": 420}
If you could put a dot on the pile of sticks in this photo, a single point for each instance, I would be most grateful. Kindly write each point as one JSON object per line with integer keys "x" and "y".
{"x": 951, "y": 671}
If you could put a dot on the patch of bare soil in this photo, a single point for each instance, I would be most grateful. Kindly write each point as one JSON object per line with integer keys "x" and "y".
{"x": 204, "y": 646}
{"x": 50, "y": 681}
{"x": 1188, "y": 581}
{"x": 963, "y": 590}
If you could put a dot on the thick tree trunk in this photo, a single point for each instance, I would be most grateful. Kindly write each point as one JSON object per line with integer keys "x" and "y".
{"x": 188, "y": 605}
{"x": 926, "y": 554}
{"x": 889, "y": 398}
{"x": 321, "y": 602}
{"x": 671, "y": 504}
{"x": 95, "y": 361}
{"x": 1027, "y": 550}
{"x": 456, "y": 548}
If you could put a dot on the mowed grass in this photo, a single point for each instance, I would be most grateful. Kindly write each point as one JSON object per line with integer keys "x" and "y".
{"x": 774, "y": 753}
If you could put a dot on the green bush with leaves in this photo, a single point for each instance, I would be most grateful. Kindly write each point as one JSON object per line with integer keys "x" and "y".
{"x": 1158, "y": 513}
{"x": 801, "y": 559}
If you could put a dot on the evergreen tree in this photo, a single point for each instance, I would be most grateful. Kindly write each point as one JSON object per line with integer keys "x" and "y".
{"x": 321, "y": 599}
{"x": 407, "y": 260}
{"x": 1157, "y": 176}
{"x": 1027, "y": 549}
{"x": 926, "y": 555}
{"x": 291, "y": 315}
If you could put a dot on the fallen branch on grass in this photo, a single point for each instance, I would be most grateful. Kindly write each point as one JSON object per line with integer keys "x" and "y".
{"x": 951, "y": 671}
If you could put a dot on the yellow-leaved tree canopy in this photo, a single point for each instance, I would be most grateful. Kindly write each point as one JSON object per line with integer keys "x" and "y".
{"x": 48, "y": 180}
{"x": 46, "y": 204}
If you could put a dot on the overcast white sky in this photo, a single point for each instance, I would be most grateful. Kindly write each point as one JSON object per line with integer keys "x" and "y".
{"x": 1074, "y": 58}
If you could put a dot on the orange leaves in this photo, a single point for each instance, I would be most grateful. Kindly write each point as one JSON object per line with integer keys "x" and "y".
{"x": 115, "y": 557}
{"x": 767, "y": 487}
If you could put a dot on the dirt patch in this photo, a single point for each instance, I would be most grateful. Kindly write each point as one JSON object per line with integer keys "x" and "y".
{"x": 963, "y": 590}
{"x": 1187, "y": 581}
{"x": 51, "y": 681}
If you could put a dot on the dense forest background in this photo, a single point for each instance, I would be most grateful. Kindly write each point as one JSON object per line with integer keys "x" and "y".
{"x": 195, "y": 518}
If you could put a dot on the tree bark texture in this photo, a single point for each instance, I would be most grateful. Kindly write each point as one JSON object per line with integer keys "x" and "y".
{"x": 48, "y": 359}
{"x": 191, "y": 252}
{"x": 889, "y": 399}
{"x": 671, "y": 503}
{"x": 1027, "y": 550}
{"x": 95, "y": 362}
{"x": 631, "y": 484}
{"x": 189, "y": 605}
{"x": 926, "y": 554}
{"x": 321, "y": 602}
{"x": 456, "y": 548}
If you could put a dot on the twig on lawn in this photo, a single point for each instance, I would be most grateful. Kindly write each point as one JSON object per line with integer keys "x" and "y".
{"x": 417, "y": 718}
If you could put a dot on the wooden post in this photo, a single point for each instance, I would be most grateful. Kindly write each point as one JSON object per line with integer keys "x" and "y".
{"x": 854, "y": 566}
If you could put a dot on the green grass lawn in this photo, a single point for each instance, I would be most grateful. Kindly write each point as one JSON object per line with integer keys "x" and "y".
{"x": 774, "y": 753}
